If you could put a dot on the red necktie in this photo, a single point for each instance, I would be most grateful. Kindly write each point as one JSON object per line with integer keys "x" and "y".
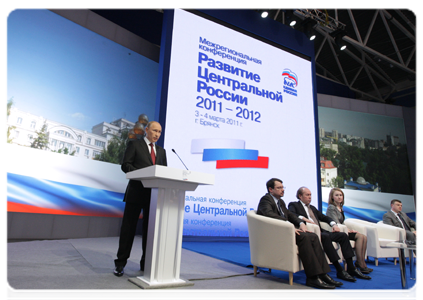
{"x": 153, "y": 155}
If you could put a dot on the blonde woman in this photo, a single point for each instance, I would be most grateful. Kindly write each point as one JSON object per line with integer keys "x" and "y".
{"x": 336, "y": 212}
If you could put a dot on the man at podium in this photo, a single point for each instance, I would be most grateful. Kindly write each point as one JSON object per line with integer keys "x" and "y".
{"x": 138, "y": 154}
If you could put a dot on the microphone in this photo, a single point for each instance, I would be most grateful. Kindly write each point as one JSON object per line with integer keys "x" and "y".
{"x": 173, "y": 150}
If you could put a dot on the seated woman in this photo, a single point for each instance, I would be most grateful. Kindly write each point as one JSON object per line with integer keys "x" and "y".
{"x": 335, "y": 212}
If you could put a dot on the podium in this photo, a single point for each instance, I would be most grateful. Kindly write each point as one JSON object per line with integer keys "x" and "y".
{"x": 167, "y": 206}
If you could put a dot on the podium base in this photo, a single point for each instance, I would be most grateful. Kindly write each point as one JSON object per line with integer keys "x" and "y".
{"x": 142, "y": 283}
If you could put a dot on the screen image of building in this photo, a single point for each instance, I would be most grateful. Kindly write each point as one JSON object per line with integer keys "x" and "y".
{"x": 61, "y": 137}
{"x": 328, "y": 172}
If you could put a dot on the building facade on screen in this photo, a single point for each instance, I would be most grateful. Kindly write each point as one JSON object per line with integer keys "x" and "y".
{"x": 61, "y": 137}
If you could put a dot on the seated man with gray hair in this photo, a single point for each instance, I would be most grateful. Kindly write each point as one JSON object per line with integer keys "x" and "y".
{"x": 308, "y": 213}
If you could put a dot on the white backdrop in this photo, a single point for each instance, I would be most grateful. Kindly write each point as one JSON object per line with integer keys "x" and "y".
{"x": 279, "y": 125}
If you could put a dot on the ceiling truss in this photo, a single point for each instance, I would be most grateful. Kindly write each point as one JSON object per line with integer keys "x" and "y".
{"x": 380, "y": 58}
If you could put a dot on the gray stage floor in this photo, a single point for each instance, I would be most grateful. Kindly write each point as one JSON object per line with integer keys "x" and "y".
{"x": 80, "y": 264}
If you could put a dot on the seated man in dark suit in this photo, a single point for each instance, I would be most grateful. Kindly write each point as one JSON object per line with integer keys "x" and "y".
{"x": 397, "y": 218}
{"x": 309, "y": 213}
{"x": 309, "y": 248}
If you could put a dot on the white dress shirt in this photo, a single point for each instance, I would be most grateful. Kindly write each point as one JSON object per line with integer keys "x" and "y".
{"x": 148, "y": 145}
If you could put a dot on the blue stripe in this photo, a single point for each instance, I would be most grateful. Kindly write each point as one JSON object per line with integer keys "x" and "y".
{"x": 370, "y": 215}
{"x": 225, "y": 154}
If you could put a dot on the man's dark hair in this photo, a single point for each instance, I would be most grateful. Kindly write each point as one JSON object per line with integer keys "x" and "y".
{"x": 271, "y": 183}
{"x": 395, "y": 200}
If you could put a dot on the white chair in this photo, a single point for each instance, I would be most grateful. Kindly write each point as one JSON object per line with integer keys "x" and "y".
{"x": 360, "y": 228}
{"x": 403, "y": 234}
{"x": 378, "y": 236}
{"x": 272, "y": 244}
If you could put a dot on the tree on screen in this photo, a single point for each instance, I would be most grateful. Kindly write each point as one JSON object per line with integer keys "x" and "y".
{"x": 41, "y": 141}
{"x": 115, "y": 149}
{"x": 9, "y": 128}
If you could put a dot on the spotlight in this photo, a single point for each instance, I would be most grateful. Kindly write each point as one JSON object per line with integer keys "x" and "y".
{"x": 308, "y": 28}
{"x": 264, "y": 14}
{"x": 312, "y": 34}
{"x": 290, "y": 18}
{"x": 340, "y": 42}
{"x": 338, "y": 35}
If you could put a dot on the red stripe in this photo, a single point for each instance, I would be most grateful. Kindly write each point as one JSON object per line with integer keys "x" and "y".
{"x": 26, "y": 208}
{"x": 261, "y": 162}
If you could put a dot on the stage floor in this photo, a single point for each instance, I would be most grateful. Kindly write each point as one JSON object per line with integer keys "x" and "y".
{"x": 82, "y": 269}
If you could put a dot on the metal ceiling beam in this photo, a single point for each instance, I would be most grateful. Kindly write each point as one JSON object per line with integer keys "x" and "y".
{"x": 372, "y": 24}
{"x": 276, "y": 15}
{"x": 304, "y": 13}
{"x": 390, "y": 84}
{"x": 399, "y": 12}
{"x": 363, "y": 63}
{"x": 357, "y": 32}
{"x": 369, "y": 70}
{"x": 378, "y": 70}
{"x": 324, "y": 32}
{"x": 376, "y": 53}
{"x": 321, "y": 17}
{"x": 331, "y": 76}
{"x": 399, "y": 26}
{"x": 391, "y": 37}
{"x": 378, "y": 98}
{"x": 370, "y": 96}
{"x": 352, "y": 88}
{"x": 388, "y": 95}
{"x": 356, "y": 75}
{"x": 321, "y": 47}
{"x": 381, "y": 85}
{"x": 352, "y": 55}
{"x": 410, "y": 56}
{"x": 375, "y": 87}
{"x": 339, "y": 64}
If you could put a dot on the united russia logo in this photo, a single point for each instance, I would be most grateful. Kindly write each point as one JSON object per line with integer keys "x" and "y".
{"x": 290, "y": 82}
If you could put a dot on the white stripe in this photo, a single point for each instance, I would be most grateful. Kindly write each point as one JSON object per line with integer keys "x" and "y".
{"x": 198, "y": 145}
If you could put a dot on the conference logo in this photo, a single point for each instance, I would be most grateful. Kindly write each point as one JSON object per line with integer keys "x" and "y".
{"x": 228, "y": 153}
{"x": 290, "y": 82}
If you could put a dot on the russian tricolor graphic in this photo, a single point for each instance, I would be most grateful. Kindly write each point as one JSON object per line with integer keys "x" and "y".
{"x": 228, "y": 153}
{"x": 34, "y": 195}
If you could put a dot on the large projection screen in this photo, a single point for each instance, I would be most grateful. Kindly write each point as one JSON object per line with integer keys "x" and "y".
{"x": 240, "y": 109}
{"x": 88, "y": 90}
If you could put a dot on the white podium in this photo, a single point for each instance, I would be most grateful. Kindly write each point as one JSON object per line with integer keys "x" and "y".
{"x": 164, "y": 243}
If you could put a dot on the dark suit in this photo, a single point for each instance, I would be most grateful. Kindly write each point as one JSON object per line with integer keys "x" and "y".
{"x": 309, "y": 248}
{"x": 326, "y": 237}
{"x": 391, "y": 219}
{"x": 137, "y": 198}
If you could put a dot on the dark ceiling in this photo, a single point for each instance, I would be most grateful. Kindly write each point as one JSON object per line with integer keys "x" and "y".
{"x": 379, "y": 63}
{"x": 382, "y": 59}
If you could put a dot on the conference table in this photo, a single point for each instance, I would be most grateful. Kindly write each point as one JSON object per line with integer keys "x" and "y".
{"x": 402, "y": 247}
